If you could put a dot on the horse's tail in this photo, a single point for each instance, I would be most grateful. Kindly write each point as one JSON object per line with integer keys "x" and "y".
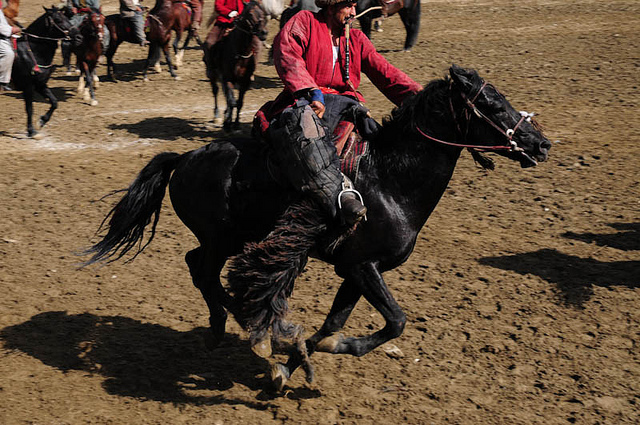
{"x": 262, "y": 277}
{"x": 132, "y": 214}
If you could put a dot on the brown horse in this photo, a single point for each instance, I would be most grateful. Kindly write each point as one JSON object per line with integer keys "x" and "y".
{"x": 88, "y": 51}
{"x": 167, "y": 16}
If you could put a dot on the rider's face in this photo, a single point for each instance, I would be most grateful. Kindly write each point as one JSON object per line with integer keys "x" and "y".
{"x": 340, "y": 13}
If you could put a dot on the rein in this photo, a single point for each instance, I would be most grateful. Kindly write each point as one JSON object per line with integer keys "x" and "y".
{"x": 510, "y": 146}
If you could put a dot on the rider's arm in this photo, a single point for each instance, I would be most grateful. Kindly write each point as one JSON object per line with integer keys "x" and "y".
{"x": 392, "y": 82}
{"x": 289, "y": 47}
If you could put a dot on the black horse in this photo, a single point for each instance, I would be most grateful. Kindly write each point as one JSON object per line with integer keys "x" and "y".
{"x": 409, "y": 14}
{"x": 224, "y": 193}
{"x": 33, "y": 63}
{"x": 231, "y": 60}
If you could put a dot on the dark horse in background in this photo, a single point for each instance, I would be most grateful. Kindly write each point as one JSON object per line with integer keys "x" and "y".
{"x": 225, "y": 194}
{"x": 33, "y": 63}
{"x": 87, "y": 47}
{"x": 409, "y": 14}
{"x": 230, "y": 61}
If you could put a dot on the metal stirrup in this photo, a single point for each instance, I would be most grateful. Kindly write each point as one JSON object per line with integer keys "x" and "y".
{"x": 347, "y": 187}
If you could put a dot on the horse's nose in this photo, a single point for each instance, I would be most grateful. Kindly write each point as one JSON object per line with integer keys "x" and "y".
{"x": 544, "y": 147}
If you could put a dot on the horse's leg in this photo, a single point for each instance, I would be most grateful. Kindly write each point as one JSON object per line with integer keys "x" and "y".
{"x": 65, "y": 48}
{"x": 213, "y": 79}
{"x": 46, "y": 92}
{"x": 167, "y": 56}
{"x": 205, "y": 268}
{"x": 152, "y": 58}
{"x": 90, "y": 83}
{"x": 343, "y": 304}
{"x": 111, "y": 51}
{"x": 28, "y": 103}
{"x": 241, "y": 92}
{"x": 411, "y": 21}
{"x": 179, "y": 53}
{"x": 81, "y": 82}
{"x": 231, "y": 103}
{"x": 369, "y": 280}
{"x": 365, "y": 25}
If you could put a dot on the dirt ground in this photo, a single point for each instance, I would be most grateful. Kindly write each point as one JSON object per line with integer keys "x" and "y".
{"x": 521, "y": 295}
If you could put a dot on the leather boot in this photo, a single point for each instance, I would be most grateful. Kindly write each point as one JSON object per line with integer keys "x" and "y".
{"x": 351, "y": 209}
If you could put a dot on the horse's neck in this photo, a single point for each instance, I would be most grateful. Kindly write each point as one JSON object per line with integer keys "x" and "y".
{"x": 43, "y": 48}
{"x": 410, "y": 169}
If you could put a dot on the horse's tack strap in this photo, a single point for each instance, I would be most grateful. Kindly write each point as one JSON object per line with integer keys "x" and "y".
{"x": 351, "y": 148}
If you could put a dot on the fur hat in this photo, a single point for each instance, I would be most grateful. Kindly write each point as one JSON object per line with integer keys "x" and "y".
{"x": 326, "y": 3}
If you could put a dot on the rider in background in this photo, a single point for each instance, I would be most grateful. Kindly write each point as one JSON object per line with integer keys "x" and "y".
{"x": 131, "y": 12}
{"x": 6, "y": 51}
{"x": 196, "y": 7}
{"x": 310, "y": 57}
{"x": 227, "y": 11}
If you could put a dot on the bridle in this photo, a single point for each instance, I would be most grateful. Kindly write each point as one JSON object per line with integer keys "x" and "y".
{"x": 470, "y": 106}
{"x": 251, "y": 21}
{"x": 52, "y": 22}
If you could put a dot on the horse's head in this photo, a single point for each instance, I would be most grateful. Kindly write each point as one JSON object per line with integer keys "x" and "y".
{"x": 93, "y": 25}
{"x": 254, "y": 20}
{"x": 56, "y": 23}
{"x": 492, "y": 123}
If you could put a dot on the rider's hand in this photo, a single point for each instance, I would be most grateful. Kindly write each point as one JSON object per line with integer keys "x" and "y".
{"x": 15, "y": 29}
{"x": 233, "y": 14}
{"x": 318, "y": 108}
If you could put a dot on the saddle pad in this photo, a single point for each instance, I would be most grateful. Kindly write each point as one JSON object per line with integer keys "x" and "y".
{"x": 351, "y": 148}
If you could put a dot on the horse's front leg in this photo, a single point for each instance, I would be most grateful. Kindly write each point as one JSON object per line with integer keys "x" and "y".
{"x": 91, "y": 95}
{"x": 46, "y": 92}
{"x": 176, "y": 51}
{"x": 343, "y": 304}
{"x": 241, "y": 92}
{"x": 411, "y": 21}
{"x": 231, "y": 103}
{"x": 28, "y": 103}
{"x": 167, "y": 56}
{"x": 369, "y": 280}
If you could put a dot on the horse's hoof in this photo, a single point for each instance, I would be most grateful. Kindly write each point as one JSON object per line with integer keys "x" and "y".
{"x": 36, "y": 136}
{"x": 279, "y": 376}
{"x": 146, "y": 79}
{"x": 77, "y": 72}
{"x": 262, "y": 348}
{"x": 157, "y": 68}
{"x": 94, "y": 102}
{"x": 177, "y": 78}
{"x": 330, "y": 343}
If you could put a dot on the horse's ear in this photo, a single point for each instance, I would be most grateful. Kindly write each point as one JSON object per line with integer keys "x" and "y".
{"x": 462, "y": 77}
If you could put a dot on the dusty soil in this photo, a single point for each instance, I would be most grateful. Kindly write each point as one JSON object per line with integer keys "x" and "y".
{"x": 521, "y": 295}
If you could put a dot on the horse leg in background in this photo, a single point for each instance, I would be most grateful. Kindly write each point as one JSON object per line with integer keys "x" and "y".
{"x": 411, "y": 20}
{"x": 45, "y": 91}
{"x": 177, "y": 52}
{"x": 111, "y": 51}
{"x": 231, "y": 103}
{"x": 89, "y": 93}
{"x": 65, "y": 48}
{"x": 365, "y": 25}
{"x": 153, "y": 58}
{"x": 28, "y": 103}
{"x": 205, "y": 268}
{"x": 239, "y": 103}
{"x": 167, "y": 56}
{"x": 343, "y": 304}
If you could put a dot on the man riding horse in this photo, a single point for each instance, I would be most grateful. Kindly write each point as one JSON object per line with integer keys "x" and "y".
{"x": 7, "y": 54}
{"x": 77, "y": 11}
{"x": 316, "y": 54}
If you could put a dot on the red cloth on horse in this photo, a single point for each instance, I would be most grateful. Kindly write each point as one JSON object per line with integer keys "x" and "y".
{"x": 224, "y": 7}
{"x": 302, "y": 56}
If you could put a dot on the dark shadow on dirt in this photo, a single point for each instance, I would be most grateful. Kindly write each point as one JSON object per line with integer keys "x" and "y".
{"x": 127, "y": 71}
{"x": 167, "y": 128}
{"x": 265, "y": 82}
{"x": 61, "y": 93}
{"x": 575, "y": 277}
{"x": 628, "y": 239}
{"x": 142, "y": 360}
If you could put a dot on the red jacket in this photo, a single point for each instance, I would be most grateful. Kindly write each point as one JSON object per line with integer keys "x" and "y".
{"x": 224, "y": 7}
{"x": 303, "y": 58}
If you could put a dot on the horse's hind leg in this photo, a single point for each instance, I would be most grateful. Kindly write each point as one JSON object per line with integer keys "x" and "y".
{"x": 91, "y": 95}
{"x": 411, "y": 21}
{"x": 205, "y": 271}
{"x": 152, "y": 57}
{"x": 343, "y": 304}
{"x": 231, "y": 103}
{"x": 179, "y": 53}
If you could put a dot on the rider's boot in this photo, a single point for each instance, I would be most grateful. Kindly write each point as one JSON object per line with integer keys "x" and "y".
{"x": 351, "y": 209}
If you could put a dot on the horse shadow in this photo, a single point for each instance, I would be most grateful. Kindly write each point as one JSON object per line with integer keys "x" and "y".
{"x": 142, "y": 360}
{"x": 260, "y": 82}
{"x": 61, "y": 94}
{"x": 626, "y": 240}
{"x": 574, "y": 276}
{"x": 166, "y": 128}
{"x": 127, "y": 71}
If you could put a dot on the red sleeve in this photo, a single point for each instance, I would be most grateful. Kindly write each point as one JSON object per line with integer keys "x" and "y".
{"x": 392, "y": 82}
{"x": 224, "y": 7}
{"x": 288, "y": 50}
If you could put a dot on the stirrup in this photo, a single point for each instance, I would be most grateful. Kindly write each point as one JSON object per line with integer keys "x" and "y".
{"x": 347, "y": 187}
